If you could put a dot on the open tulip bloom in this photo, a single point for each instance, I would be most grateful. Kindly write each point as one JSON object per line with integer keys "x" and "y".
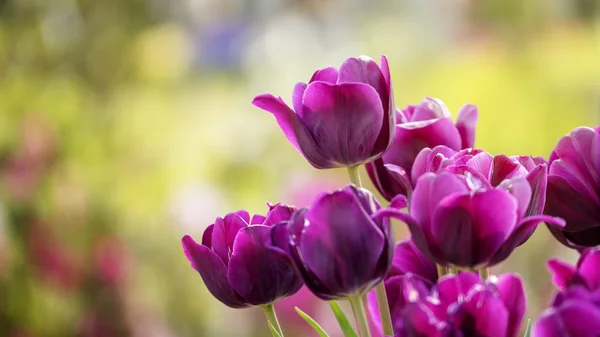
{"x": 466, "y": 210}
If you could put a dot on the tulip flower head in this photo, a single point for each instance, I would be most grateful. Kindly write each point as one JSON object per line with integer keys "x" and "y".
{"x": 457, "y": 305}
{"x": 586, "y": 273}
{"x": 575, "y": 310}
{"x": 426, "y": 125}
{"x": 574, "y": 187}
{"x": 236, "y": 262}
{"x": 339, "y": 246}
{"x": 343, "y": 117}
{"x": 461, "y": 220}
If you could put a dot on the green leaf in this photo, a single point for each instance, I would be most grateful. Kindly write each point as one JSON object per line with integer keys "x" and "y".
{"x": 312, "y": 323}
{"x": 528, "y": 330}
{"x": 347, "y": 328}
{"x": 273, "y": 330}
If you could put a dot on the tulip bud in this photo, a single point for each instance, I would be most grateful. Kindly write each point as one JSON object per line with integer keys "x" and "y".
{"x": 339, "y": 247}
{"x": 236, "y": 262}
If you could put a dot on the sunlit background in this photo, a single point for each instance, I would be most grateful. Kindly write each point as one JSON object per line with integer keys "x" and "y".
{"x": 125, "y": 124}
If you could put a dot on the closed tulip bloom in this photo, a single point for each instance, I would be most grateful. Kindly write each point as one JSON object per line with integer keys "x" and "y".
{"x": 461, "y": 220}
{"x": 342, "y": 117}
{"x": 339, "y": 246}
{"x": 236, "y": 262}
{"x": 574, "y": 187}
{"x": 458, "y": 305}
{"x": 574, "y": 313}
{"x": 586, "y": 273}
{"x": 420, "y": 126}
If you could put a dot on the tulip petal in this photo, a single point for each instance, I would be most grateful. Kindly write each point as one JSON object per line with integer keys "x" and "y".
{"x": 399, "y": 202}
{"x": 589, "y": 268}
{"x": 562, "y": 273}
{"x": 343, "y": 119}
{"x": 329, "y": 75}
{"x": 537, "y": 179}
{"x": 400, "y": 177}
{"x": 257, "y": 219}
{"x": 585, "y": 238}
{"x": 382, "y": 180}
{"x": 411, "y": 138}
{"x": 409, "y": 259}
{"x": 213, "y": 272}
{"x": 223, "y": 235}
{"x": 505, "y": 168}
{"x": 386, "y": 136}
{"x": 484, "y": 314}
{"x": 364, "y": 70}
{"x": 293, "y": 129}
{"x": 456, "y": 288}
{"x": 466, "y": 122}
{"x": 566, "y": 320}
{"x": 430, "y": 189}
{"x": 297, "y": 96}
{"x": 470, "y": 229}
{"x": 417, "y": 234}
{"x": 523, "y": 231}
{"x": 580, "y": 150}
{"x": 512, "y": 293}
{"x": 428, "y": 109}
{"x": 340, "y": 258}
{"x": 279, "y": 213}
{"x": 519, "y": 187}
{"x": 287, "y": 237}
{"x": 564, "y": 201}
{"x": 258, "y": 273}
{"x": 207, "y": 236}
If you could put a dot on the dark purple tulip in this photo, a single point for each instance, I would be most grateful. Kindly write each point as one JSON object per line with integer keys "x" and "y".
{"x": 574, "y": 313}
{"x": 236, "y": 262}
{"x": 458, "y": 305}
{"x": 338, "y": 246}
{"x": 463, "y": 221}
{"x": 574, "y": 187}
{"x": 585, "y": 273}
{"x": 420, "y": 126}
{"x": 409, "y": 259}
{"x": 341, "y": 117}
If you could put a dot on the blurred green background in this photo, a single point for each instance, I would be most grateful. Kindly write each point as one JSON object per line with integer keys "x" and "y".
{"x": 125, "y": 124}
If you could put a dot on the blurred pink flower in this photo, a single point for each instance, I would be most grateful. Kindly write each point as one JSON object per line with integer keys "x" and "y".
{"x": 111, "y": 260}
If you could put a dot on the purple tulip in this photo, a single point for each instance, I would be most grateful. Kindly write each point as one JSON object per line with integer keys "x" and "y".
{"x": 341, "y": 117}
{"x": 458, "y": 305}
{"x": 574, "y": 187}
{"x": 574, "y": 313}
{"x": 420, "y": 126}
{"x": 236, "y": 262}
{"x": 339, "y": 247}
{"x": 494, "y": 171}
{"x": 409, "y": 259}
{"x": 586, "y": 273}
{"x": 461, "y": 220}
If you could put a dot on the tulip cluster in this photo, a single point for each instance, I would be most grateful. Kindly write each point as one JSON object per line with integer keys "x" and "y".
{"x": 466, "y": 210}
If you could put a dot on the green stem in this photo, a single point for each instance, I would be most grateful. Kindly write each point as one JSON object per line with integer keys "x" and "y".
{"x": 484, "y": 273}
{"x": 358, "y": 308}
{"x": 272, "y": 318}
{"x": 354, "y": 175}
{"x": 384, "y": 310}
